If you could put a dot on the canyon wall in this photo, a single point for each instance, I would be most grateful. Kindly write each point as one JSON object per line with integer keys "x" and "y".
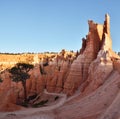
{"x": 96, "y": 44}
{"x": 67, "y": 71}
{"x": 100, "y": 91}
{"x": 49, "y": 72}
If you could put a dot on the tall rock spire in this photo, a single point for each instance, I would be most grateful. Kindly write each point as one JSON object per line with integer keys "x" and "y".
{"x": 107, "y": 24}
{"x": 107, "y": 42}
{"x": 97, "y": 40}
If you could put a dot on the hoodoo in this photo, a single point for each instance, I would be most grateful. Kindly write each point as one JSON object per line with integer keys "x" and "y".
{"x": 98, "y": 40}
{"x": 96, "y": 72}
{"x": 90, "y": 79}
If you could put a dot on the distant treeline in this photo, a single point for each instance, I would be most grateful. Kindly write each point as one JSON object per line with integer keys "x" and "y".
{"x": 28, "y": 53}
{"x": 119, "y": 53}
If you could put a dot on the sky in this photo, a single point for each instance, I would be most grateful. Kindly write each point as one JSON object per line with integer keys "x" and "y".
{"x": 52, "y": 25}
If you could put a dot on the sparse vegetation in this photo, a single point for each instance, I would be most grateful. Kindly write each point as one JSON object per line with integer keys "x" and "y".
{"x": 42, "y": 103}
{"x": 56, "y": 98}
{"x": 25, "y": 104}
{"x": 20, "y": 73}
{"x": 119, "y": 53}
{"x": 1, "y": 80}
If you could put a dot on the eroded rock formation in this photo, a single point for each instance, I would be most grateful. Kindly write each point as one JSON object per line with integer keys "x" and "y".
{"x": 95, "y": 71}
{"x": 49, "y": 74}
{"x": 100, "y": 89}
{"x": 96, "y": 55}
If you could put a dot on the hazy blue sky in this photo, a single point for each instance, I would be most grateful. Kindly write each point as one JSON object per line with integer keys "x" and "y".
{"x": 51, "y": 25}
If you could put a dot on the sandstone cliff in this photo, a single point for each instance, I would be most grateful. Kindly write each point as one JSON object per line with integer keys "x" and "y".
{"x": 90, "y": 48}
{"x": 99, "y": 94}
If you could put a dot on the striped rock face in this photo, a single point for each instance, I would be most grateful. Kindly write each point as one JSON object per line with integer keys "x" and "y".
{"x": 98, "y": 40}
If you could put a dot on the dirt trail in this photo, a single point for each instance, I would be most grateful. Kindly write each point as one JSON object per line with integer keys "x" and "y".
{"x": 31, "y": 111}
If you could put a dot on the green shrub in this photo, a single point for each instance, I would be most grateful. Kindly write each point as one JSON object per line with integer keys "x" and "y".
{"x": 1, "y": 80}
{"x": 24, "y": 104}
{"x": 56, "y": 97}
{"x": 40, "y": 103}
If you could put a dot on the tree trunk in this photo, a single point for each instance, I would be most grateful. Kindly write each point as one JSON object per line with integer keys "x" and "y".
{"x": 25, "y": 91}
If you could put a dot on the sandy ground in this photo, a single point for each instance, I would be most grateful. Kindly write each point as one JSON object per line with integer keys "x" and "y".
{"x": 36, "y": 113}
